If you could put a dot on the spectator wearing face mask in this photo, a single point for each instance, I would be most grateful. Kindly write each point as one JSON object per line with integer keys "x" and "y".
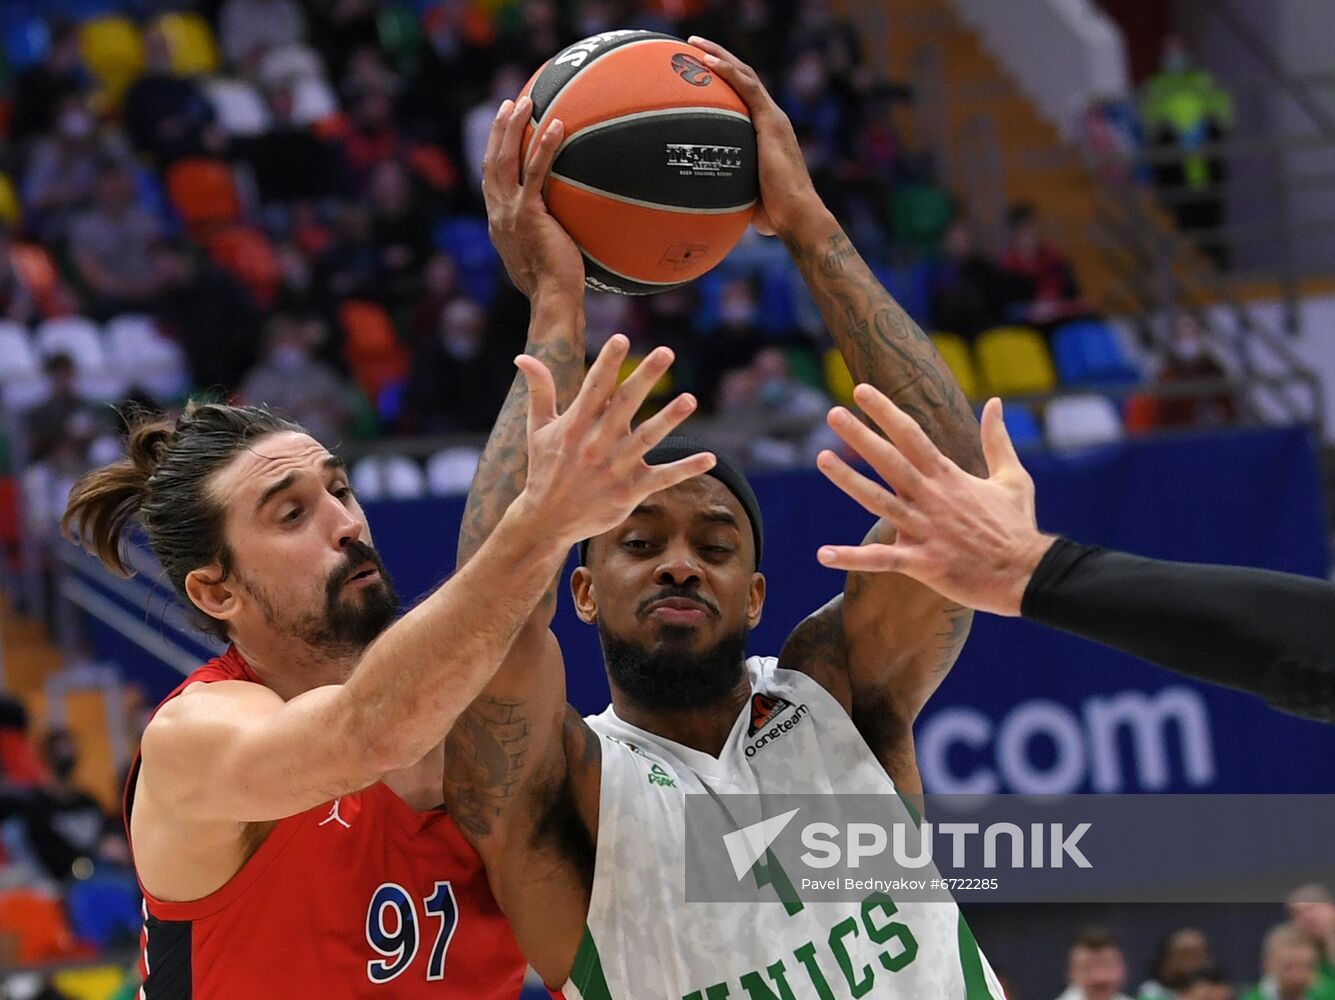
{"x": 64, "y": 168}
{"x": 771, "y": 418}
{"x": 41, "y": 90}
{"x": 456, "y": 383}
{"x": 111, "y": 245}
{"x": 1190, "y": 360}
{"x": 67, "y": 829}
{"x": 292, "y": 383}
{"x": 734, "y": 342}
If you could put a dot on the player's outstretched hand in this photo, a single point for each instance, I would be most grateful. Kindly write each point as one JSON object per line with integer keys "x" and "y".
{"x": 586, "y": 467}
{"x": 974, "y": 541}
{"x": 786, "y": 190}
{"x": 538, "y": 254}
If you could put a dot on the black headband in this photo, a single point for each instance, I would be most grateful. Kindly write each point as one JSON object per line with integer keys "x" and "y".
{"x": 724, "y": 470}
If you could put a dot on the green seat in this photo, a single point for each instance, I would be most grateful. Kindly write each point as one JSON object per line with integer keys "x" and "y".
{"x": 920, "y": 214}
{"x": 400, "y": 34}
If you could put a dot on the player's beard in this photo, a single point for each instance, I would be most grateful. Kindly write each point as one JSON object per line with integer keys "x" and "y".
{"x": 347, "y": 623}
{"x": 674, "y": 679}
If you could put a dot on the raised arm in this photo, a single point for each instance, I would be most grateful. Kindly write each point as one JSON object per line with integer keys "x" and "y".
{"x": 226, "y": 753}
{"x": 887, "y": 644}
{"x": 977, "y": 540}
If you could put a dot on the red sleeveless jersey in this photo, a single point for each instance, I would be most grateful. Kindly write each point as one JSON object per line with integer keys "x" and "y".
{"x": 359, "y": 897}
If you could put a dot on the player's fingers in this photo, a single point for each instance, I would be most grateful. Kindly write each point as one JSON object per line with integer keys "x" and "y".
{"x": 632, "y": 393}
{"x": 601, "y": 381}
{"x": 540, "y": 164}
{"x": 494, "y": 143}
{"x": 541, "y": 391}
{"x": 652, "y": 432}
{"x": 998, "y": 448}
{"x": 742, "y": 77}
{"x": 881, "y": 454}
{"x": 874, "y": 498}
{"x": 664, "y": 477}
{"x": 872, "y": 559}
{"x": 507, "y": 157}
{"x": 901, "y": 429}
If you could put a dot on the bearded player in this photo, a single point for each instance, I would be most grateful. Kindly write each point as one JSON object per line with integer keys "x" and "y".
{"x": 284, "y": 810}
{"x": 579, "y": 821}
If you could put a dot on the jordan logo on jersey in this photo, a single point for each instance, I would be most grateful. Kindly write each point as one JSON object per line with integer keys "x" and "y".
{"x": 334, "y": 817}
{"x": 764, "y": 708}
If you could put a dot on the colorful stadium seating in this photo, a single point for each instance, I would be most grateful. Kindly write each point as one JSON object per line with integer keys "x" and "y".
{"x": 194, "y": 52}
{"x": 1082, "y": 421}
{"x": 204, "y": 194}
{"x": 1088, "y": 353}
{"x": 113, "y": 51}
{"x": 838, "y": 379}
{"x": 371, "y": 347}
{"x": 1014, "y": 361}
{"x": 958, "y": 357}
{"x": 247, "y": 253}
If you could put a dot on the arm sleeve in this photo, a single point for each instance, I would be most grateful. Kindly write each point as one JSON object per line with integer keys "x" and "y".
{"x": 1270, "y": 634}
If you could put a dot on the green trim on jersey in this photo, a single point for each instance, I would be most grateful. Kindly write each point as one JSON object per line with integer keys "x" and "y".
{"x": 971, "y": 962}
{"x": 587, "y": 975}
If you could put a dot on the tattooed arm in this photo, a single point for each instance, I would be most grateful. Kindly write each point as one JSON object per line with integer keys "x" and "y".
{"x": 505, "y": 755}
{"x": 886, "y": 644}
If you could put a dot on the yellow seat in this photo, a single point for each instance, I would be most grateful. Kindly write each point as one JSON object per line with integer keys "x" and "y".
{"x": 194, "y": 52}
{"x": 1014, "y": 361}
{"x": 113, "y": 51}
{"x": 838, "y": 379}
{"x": 958, "y": 357}
{"x": 10, "y": 213}
{"x": 100, "y": 983}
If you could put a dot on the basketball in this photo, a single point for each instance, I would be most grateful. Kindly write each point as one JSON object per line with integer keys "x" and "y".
{"x": 656, "y": 177}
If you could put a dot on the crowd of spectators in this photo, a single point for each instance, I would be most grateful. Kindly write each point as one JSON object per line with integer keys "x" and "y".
{"x": 1296, "y": 959}
{"x": 298, "y": 209}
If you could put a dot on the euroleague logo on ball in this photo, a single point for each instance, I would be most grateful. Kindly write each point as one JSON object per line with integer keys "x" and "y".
{"x": 692, "y": 70}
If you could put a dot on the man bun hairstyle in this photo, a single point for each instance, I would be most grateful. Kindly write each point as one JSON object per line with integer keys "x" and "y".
{"x": 163, "y": 484}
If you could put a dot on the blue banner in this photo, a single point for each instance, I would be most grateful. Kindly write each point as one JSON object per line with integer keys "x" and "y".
{"x": 1026, "y": 709}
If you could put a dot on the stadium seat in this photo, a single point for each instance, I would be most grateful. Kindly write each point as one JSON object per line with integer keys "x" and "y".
{"x": 1014, "y": 361}
{"x": 920, "y": 214}
{"x": 959, "y": 359}
{"x": 1087, "y": 353}
{"x": 194, "y": 52}
{"x": 113, "y": 51}
{"x": 39, "y": 272}
{"x": 18, "y": 360}
{"x": 76, "y": 336}
{"x": 247, "y": 253}
{"x": 143, "y": 356}
{"x": 11, "y": 214}
{"x": 450, "y": 471}
{"x": 27, "y": 37}
{"x": 388, "y": 477}
{"x": 838, "y": 379}
{"x": 371, "y": 348}
{"x": 101, "y": 982}
{"x": 466, "y": 240}
{"x": 105, "y": 910}
{"x": 38, "y": 923}
{"x": 1082, "y": 421}
{"x": 204, "y": 194}
{"x": 313, "y": 101}
{"x": 400, "y": 31}
{"x": 1022, "y": 426}
{"x": 1140, "y": 413}
{"x": 238, "y": 105}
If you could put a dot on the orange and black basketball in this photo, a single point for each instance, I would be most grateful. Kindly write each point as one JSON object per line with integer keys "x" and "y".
{"x": 656, "y": 177}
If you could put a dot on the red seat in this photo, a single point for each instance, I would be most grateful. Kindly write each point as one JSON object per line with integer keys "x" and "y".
{"x": 1142, "y": 414}
{"x": 204, "y": 194}
{"x": 38, "y": 922}
{"x": 372, "y": 349}
{"x": 248, "y": 254}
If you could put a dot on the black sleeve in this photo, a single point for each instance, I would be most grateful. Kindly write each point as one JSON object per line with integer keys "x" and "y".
{"x": 1270, "y": 634}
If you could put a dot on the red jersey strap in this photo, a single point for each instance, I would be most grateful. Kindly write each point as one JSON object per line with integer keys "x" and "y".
{"x": 230, "y": 666}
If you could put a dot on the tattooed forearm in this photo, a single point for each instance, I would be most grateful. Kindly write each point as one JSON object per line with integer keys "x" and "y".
{"x": 504, "y": 465}
{"x": 484, "y": 754}
{"x": 882, "y": 345}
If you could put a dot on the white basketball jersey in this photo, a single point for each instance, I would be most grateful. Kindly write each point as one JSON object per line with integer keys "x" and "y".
{"x": 644, "y": 941}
